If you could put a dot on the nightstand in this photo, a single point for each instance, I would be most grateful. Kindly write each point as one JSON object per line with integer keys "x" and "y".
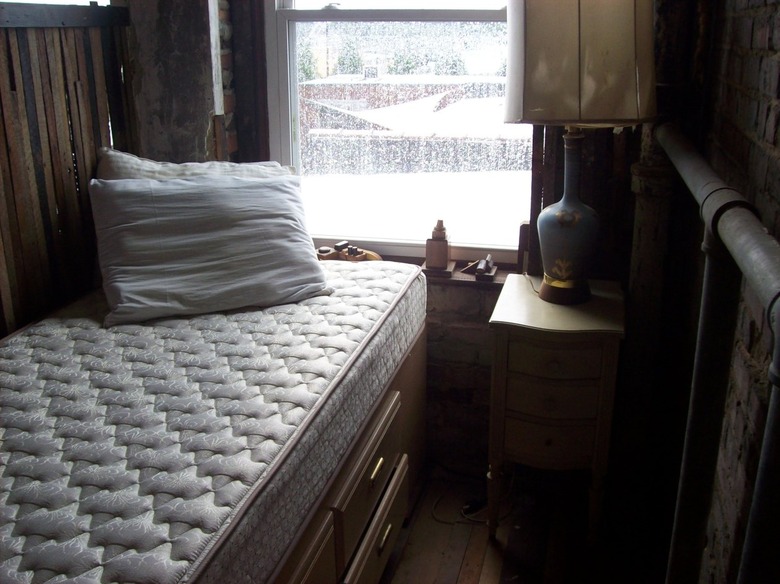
{"x": 553, "y": 384}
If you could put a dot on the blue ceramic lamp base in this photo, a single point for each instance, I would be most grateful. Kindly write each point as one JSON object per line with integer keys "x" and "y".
{"x": 568, "y": 231}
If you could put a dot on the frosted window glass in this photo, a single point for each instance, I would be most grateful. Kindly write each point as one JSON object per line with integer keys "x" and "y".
{"x": 410, "y": 112}
{"x": 402, "y": 4}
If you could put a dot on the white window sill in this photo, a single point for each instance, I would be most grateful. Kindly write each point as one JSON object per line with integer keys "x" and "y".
{"x": 394, "y": 214}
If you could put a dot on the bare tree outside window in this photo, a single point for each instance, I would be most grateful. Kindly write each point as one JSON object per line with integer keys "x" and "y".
{"x": 411, "y": 114}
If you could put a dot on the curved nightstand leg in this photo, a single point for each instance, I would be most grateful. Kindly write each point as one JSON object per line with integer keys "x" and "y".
{"x": 595, "y": 499}
{"x": 494, "y": 497}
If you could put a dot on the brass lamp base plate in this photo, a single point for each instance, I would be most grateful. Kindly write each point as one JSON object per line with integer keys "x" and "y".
{"x": 564, "y": 291}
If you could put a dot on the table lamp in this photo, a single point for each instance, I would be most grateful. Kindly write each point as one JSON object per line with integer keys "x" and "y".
{"x": 578, "y": 64}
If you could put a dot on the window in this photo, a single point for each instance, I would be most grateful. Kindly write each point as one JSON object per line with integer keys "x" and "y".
{"x": 394, "y": 119}
{"x": 60, "y": 2}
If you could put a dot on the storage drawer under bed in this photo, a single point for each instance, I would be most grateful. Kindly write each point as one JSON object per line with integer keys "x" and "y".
{"x": 314, "y": 559}
{"x": 359, "y": 494}
{"x": 371, "y": 558}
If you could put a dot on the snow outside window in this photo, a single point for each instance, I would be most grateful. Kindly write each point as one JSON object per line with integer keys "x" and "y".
{"x": 394, "y": 119}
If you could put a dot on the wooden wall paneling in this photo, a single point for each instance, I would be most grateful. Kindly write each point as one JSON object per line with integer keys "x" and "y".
{"x": 249, "y": 80}
{"x": 537, "y": 192}
{"x": 552, "y": 179}
{"x": 23, "y": 208}
{"x": 98, "y": 87}
{"x": 7, "y": 311}
{"x": 34, "y": 198}
{"x": 11, "y": 122}
{"x": 95, "y": 86}
{"x": 65, "y": 224}
{"x": 86, "y": 104}
{"x": 36, "y": 41}
{"x": 114, "y": 52}
{"x": 84, "y": 146}
{"x": 7, "y": 264}
{"x": 36, "y": 163}
{"x": 61, "y": 94}
{"x": 8, "y": 228}
{"x": 65, "y": 237}
{"x": 40, "y": 151}
{"x": 20, "y": 15}
{"x": 70, "y": 76}
{"x": 93, "y": 137}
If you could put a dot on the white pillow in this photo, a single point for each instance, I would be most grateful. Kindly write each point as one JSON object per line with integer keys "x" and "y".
{"x": 202, "y": 244}
{"x": 114, "y": 164}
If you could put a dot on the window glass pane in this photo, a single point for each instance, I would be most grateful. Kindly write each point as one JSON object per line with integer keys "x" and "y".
{"x": 401, "y": 124}
{"x": 59, "y": 2}
{"x": 402, "y": 4}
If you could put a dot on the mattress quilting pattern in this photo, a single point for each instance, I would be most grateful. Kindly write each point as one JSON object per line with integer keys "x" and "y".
{"x": 164, "y": 453}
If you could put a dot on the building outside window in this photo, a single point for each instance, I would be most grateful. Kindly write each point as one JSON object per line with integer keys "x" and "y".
{"x": 61, "y": 2}
{"x": 394, "y": 119}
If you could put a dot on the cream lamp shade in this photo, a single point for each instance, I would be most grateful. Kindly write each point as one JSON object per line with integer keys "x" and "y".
{"x": 580, "y": 62}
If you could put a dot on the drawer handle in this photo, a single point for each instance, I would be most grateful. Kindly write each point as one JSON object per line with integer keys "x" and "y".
{"x": 377, "y": 469}
{"x": 382, "y": 543}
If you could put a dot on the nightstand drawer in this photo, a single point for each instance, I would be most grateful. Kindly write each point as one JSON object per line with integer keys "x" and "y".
{"x": 554, "y": 399}
{"x": 551, "y": 446}
{"x": 555, "y": 361}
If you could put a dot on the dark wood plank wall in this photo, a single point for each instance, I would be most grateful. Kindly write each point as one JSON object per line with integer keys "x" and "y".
{"x": 61, "y": 99}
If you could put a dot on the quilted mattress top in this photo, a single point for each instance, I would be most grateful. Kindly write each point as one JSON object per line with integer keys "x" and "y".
{"x": 130, "y": 449}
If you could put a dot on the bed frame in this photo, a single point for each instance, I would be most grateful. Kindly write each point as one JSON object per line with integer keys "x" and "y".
{"x": 62, "y": 92}
{"x": 351, "y": 533}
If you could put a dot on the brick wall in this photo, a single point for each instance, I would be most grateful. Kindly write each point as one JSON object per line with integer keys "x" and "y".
{"x": 743, "y": 149}
{"x": 459, "y": 365}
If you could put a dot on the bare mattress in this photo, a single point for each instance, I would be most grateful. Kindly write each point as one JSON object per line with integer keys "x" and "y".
{"x": 189, "y": 449}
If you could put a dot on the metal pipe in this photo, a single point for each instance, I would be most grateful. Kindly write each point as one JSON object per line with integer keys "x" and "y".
{"x": 729, "y": 219}
{"x": 759, "y": 552}
{"x": 717, "y": 319}
{"x": 727, "y": 214}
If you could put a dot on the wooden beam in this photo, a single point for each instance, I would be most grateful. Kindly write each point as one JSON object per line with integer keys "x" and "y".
{"x": 20, "y": 15}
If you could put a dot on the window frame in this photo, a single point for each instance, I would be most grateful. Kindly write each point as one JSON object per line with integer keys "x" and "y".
{"x": 279, "y": 18}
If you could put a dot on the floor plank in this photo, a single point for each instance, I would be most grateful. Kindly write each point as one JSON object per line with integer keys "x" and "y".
{"x": 426, "y": 544}
{"x": 474, "y": 559}
{"x": 538, "y": 540}
{"x": 542, "y": 537}
{"x": 439, "y": 536}
{"x": 452, "y": 559}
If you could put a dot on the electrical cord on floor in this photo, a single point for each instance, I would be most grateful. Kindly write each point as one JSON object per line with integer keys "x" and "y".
{"x": 438, "y": 519}
{"x": 465, "y": 517}
{"x": 473, "y": 511}
{"x": 470, "y": 512}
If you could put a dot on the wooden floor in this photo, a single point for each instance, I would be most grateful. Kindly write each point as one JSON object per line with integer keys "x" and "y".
{"x": 541, "y": 537}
